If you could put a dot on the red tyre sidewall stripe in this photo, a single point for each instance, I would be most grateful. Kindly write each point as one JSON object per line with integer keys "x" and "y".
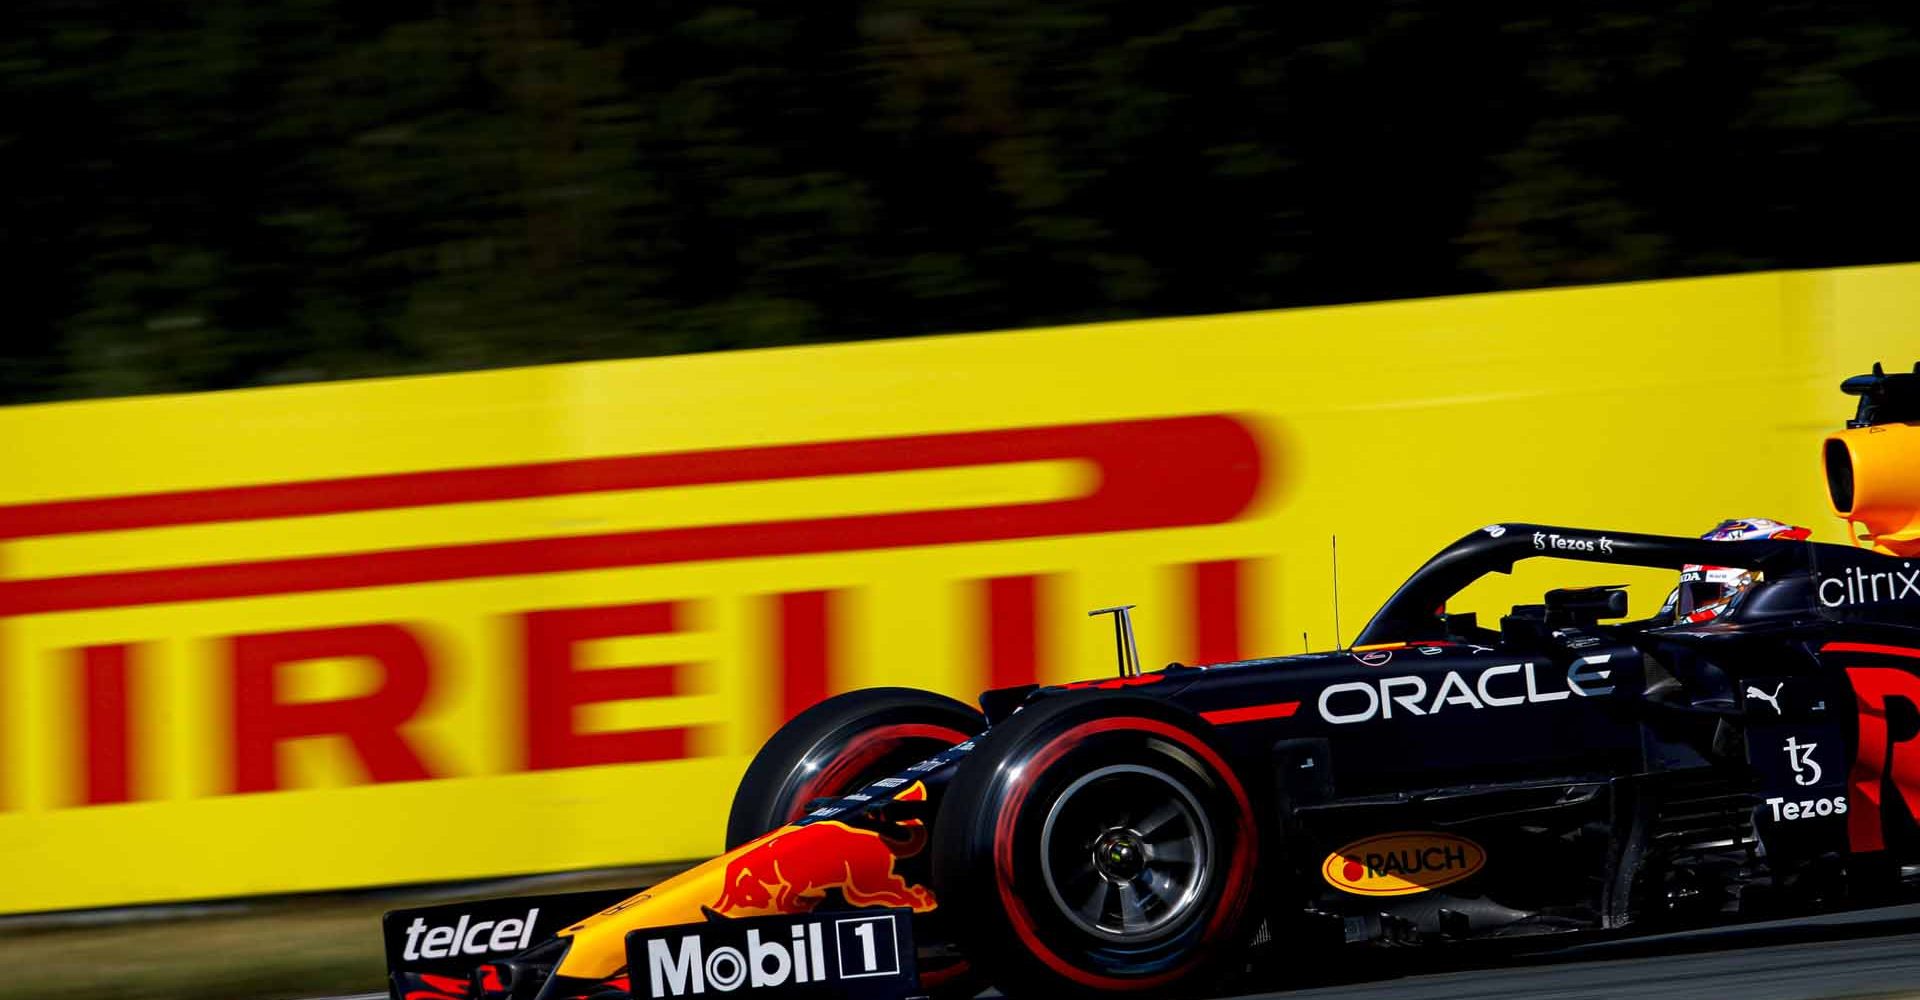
{"x": 933, "y": 979}
{"x": 1232, "y": 899}
{"x": 860, "y": 753}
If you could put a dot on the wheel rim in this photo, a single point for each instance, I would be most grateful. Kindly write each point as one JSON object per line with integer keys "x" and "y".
{"x": 1124, "y": 853}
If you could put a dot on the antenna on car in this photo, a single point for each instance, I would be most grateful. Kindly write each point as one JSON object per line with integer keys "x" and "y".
{"x": 1124, "y": 645}
{"x": 1337, "y": 641}
{"x": 1305, "y": 647}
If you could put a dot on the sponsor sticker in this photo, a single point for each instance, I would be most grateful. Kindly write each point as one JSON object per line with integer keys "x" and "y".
{"x": 1490, "y": 687}
{"x": 1856, "y": 586}
{"x": 1548, "y": 542}
{"x": 1791, "y": 810}
{"x": 467, "y": 936}
{"x": 450, "y": 939}
{"x": 1755, "y": 694}
{"x": 1806, "y": 770}
{"x": 1401, "y": 864}
{"x": 866, "y": 955}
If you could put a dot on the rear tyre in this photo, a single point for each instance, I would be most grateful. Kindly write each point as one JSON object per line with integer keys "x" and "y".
{"x": 1098, "y": 844}
{"x": 840, "y": 746}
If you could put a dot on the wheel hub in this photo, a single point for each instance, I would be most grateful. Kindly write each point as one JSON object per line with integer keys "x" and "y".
{"x": 1119, "y": 855}
{"x": 1126, "y": 853}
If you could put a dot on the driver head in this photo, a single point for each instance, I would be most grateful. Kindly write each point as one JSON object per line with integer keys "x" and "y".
{"x": 1705, "y": 592}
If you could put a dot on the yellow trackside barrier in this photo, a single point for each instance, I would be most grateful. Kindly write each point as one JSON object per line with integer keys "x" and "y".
{"x": 457, "y": 626}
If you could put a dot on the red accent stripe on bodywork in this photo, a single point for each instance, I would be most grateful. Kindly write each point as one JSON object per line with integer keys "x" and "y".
{"x": 1116, "y": 683}
{"x": 1870, "y": 647}
{"x": 1252, "y": 713}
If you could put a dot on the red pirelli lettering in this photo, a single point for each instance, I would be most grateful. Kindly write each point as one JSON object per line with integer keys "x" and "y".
{"x": 557, "y": 686}
{"x": 1215, "y": 459}
{"x": 804, "y": 634}
{"x": 263, "y": 718}
{"x": 1214, "y": 589}
{"x": 1012, "y": 630}
{"x": 107, "y": 719}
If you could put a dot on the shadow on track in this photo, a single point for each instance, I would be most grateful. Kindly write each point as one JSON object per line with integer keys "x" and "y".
{"x": 1828, "y": 955}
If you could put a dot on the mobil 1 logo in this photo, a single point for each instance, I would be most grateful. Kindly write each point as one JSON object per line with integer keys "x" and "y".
{"x": 862, "y": 954}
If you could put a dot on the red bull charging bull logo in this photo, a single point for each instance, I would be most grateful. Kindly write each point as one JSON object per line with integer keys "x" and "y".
{"x": 791, "y": 871}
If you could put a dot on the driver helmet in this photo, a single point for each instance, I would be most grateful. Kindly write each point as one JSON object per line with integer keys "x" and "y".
{"x": 1705, "y": 592}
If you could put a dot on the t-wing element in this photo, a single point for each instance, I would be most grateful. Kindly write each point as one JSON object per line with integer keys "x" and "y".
{"x": 1873, "y": 467}
{"x": 1124, "y": 646}
{"x": 1578, "y": 606}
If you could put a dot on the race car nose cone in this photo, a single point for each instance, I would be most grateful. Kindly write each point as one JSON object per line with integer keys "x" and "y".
{"x": 1119, "y": 855}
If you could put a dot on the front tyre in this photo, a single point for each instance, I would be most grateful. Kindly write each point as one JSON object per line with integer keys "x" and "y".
{"x": 840, "y": 746}
{"x": 1097, "y": 843}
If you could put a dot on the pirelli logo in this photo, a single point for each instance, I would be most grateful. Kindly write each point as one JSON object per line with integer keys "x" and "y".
{"x": 1156, "y": 473}
{"x": 315, "y": 538}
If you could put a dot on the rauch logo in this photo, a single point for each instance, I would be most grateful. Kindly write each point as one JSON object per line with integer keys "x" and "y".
{"x": 1400, "y": 864}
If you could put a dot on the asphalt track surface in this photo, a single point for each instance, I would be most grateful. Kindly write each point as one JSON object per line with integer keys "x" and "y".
{"x": 1871, "y": 953}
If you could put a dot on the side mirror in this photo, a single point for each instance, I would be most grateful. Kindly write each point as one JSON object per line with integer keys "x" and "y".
{"x": 1586, "y": 605}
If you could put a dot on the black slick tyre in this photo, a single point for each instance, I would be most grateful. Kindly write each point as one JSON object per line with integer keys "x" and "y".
{"x": 839, "y": 746}
{"x": 1097, "y": 843}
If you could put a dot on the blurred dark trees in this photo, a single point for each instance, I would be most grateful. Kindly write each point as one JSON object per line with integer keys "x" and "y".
{"x": 232, "y": 192}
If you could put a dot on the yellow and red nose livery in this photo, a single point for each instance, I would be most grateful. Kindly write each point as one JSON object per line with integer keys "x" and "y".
{"x": 1400, "y": 864}
{"x": 788, "y": 871}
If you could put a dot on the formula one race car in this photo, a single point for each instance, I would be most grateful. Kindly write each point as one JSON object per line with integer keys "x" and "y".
{"x": 1442, "y": 780}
